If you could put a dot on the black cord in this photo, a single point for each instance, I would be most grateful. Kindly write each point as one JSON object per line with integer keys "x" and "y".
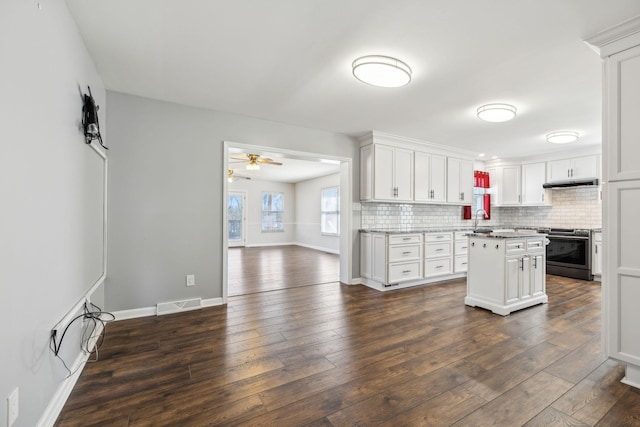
{"x": 95, "y": 315}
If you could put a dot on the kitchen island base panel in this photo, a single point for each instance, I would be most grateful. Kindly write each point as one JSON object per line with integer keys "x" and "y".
{"x": 632, "y": 376}
{"x": 378, "y": 286}
{"x": 501, "y": 309}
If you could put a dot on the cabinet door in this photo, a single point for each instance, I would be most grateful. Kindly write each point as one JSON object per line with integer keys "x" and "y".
{"x": 537, "y": 276}
{"x": 510, "y": 185}
{"x": 596, "y": 267}
{"x": 512, "y": 279}
{"x": 439, "y": 178}
{"x": 533, "y": 176}
{"x": 422, "y": 174}
{"x": 365, "y": 255}
{"x": 403, "y": 174}
{"x": 584, "y": 167}
{"x": 383, "y": 182}
{"x": 459, "y": 181}
{"x": 379, "y": 258}
{"x": 525, "y": 277}
{"x": 623, "y": 270}
{"x": 366, "y": 172}
{"x": 621, "y": 149}
{"x": 466, "y": 181}
{"x": 558, "y": 170}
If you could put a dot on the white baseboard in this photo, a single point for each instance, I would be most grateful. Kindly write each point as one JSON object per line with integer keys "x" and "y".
{"x": 260, "y": 245}
{"x": 152, "y": 311}
{"x": 319, "y": 248}
{"x": 53, "y": 409}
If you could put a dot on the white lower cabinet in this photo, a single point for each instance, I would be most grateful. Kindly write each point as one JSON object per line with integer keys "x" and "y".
{"x": 391, "y": 259}
{"x": 506, "y": 274}
{"x": 596, "y": 254}
{"x": 397, "y": 260}
{"x": 438, "y": 253}
{"x": 460, "y": 251}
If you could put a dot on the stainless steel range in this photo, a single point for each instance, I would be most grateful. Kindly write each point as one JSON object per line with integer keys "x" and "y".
{"x": 569, "y": 252}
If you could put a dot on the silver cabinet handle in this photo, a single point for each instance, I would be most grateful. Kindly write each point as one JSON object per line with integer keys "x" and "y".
{"x": 406, "y": 253}
{"x": 542, "y": 197}
{"x": 406, "y": 271}
{"x": 439, "y": 266}
{"x": 439, "y": 250}
{"x": 535, "y": 263}
{"x": 568, "y": 173}
{"x": 406, "y": 238}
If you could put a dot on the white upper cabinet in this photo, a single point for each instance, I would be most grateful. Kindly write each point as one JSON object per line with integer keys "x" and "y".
{"x": 459, "y": 181}
{"x": 533, "y": 177}
{"x": 401, "y": 170}
{"x": 585, "y": 167}
{"x": 430, "y": 183}
{"x": 505, "y": 185}
{"x": 623, "y": 108}
{"x": 386, "y": 173}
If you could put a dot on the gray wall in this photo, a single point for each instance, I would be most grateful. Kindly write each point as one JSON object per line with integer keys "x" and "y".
{"x": 50, "y": 250}
{"x": 165, "y": 194}
{"x": 254, "y": 189}
{"x": 308, "y": 213}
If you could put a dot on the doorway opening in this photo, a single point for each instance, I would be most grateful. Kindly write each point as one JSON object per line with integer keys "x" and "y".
{"x": 236, "y": 159}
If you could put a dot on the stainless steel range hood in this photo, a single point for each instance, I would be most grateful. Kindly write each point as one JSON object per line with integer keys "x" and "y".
{"x": 571, "y": 183}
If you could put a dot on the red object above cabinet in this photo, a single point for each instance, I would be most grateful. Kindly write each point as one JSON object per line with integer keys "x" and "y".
{"x": 481, "y": 179}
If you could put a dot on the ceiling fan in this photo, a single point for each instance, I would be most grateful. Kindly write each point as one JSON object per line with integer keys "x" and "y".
{"x": 254, "y": 161}
{"x": 232, "y": 176}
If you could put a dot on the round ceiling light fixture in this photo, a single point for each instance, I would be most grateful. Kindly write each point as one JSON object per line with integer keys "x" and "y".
{"x": 496, "y": 112}
{"x": 381, "y": 71}
{"x": 562, "y": 137}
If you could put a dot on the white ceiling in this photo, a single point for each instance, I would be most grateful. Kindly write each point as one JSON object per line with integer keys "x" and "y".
{"x": 291, "y": 170}
{"x": 290, "y": 61}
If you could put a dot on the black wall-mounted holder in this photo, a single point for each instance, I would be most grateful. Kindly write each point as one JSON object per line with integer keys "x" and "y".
{"x": 90, "y": 123}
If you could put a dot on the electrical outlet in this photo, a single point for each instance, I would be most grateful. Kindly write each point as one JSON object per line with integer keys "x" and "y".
{"x": 191, "y": 279}
{"x": 12, "y": 407}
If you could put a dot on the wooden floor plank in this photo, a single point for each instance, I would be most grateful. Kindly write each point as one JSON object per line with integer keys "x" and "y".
{"x": 326, "y": 354}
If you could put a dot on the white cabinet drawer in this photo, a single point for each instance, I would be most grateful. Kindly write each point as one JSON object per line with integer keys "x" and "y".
{"x": 402, "y": 272}
{"x": 395, "y": 239}
{"x": 437, "y": 249}
{"x": 437, "y": 266}
{"x": 461, "y": 235}
{"x": 462, "y": 247}
{"x": 460, "y": 264}
{"x": 404, "y": 252}
{"x": 515, "y": 246}
{"x": 535, "y": 245}
{"x": 437, "y": 237}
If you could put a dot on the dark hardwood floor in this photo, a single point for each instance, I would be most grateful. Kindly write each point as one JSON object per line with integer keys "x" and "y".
{"x": 338, "y": 355}
{"x": 261, "y": 269}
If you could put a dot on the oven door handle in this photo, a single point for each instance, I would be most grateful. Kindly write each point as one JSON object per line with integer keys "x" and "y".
{"x": 569, "y": 237}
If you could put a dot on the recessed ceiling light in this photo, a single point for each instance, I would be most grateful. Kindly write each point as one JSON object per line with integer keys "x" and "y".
{"x": 494, "y": 157}
{"x": 382, "y": 71}
{"x": 481, "y": 155}
{"x": 496, "y": 112}
{"x": 562, "y": 137}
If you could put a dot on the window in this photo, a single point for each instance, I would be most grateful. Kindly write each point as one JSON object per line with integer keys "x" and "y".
{"x": 330, "y": 211}
{"x": 272, "y": 212}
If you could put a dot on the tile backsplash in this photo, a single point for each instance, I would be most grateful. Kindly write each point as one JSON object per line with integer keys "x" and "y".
{"x": 573, "y": 207}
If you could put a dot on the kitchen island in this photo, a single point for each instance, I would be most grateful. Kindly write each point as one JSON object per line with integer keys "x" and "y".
{"x": 506, "y": 271}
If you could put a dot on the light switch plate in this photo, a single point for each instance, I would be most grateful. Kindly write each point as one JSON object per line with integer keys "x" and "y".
{"x": 191, "y": 279}
{"x": 13, "y": 407}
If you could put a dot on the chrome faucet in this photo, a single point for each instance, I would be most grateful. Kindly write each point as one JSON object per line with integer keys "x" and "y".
{"x": 475, "y": 220}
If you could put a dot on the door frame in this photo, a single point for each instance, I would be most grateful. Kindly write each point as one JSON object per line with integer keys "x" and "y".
{"x": 346, "y": 210}
{"x": 243, "y": 241}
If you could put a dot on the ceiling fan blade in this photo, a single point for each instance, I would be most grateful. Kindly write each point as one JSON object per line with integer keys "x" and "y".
{"x": 270, "y": 162}
{"x": 241, "y": 156}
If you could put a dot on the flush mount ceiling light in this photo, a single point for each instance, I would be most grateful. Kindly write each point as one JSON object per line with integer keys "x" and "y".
{"x": 496, "y": 112}
{"x": 382, "y": 71}
{"x": 562, "y": 137}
